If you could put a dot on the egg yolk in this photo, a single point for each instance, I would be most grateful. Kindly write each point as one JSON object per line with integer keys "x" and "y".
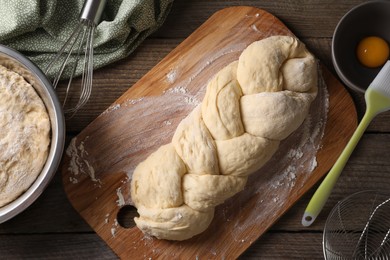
{"x": 372, "y": 51}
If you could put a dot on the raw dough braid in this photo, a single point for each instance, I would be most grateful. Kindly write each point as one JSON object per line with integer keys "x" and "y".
{"x": 249, "y": 107}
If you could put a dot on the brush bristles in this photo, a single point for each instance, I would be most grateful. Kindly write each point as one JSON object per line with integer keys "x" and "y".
{"x": 381, "y": 82}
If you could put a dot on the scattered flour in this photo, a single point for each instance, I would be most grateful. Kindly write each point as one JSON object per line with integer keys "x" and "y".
{"x": 295, "y": 154}
{"x": 187, "y": 97}
{"x": 192, "y": 101}
{"x": 121, "y": 200}
{"x": 251, "y": 16}
{"x": 177, "y": 90}
{"x": 313, "y": 164}
{"x": 171, "y": 76}
{"x": 78, "y": 164}
{"x": 114, "y": 228}
{"x": 254, "y": 28}
{"x": 73, "y": 180}
{"x": 106, "y": 219}
{"x": 110, "y": 109}
{"x": 148, "y": 240}
{"x": 132, "y": 101}
{"x": 126, "y": 103}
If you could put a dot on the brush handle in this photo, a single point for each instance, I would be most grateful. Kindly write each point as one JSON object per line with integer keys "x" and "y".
{"x": 376, "y": 103}
{"x": 321, "y": 195}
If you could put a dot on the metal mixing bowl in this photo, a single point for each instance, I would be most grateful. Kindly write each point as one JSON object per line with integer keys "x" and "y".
{"x": 15, "y": 61}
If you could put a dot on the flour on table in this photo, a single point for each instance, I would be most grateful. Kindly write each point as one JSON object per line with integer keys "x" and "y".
{"x": 127, "y": 103}
{"x": 106, "y": 219}
{"x": 113, "y": 231}
{"x": 182, "y": 91}
{"x": 133, "y": 101}
{"x": 78, "y": 163}
{"x": 172, "y": 76}
{"x": 121, "y": 200}
{"x": 148, "y": 240}
{"x": 112, "y": 108}
{"x": 251, "y": 16}
{"x": 254, "y": 28}
{"x": 192, "y": 101}
{"x": 73, "y": 180}
{"x": 177, "y": 90}
{"x": 114, "y": 228}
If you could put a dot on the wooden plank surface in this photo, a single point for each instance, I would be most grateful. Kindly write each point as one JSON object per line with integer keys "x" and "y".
{"x": 52, "y": 229}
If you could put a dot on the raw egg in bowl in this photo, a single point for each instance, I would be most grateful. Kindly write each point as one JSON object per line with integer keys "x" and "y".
{"x": 372, "y": 51}
{"x": 360, "y": 44}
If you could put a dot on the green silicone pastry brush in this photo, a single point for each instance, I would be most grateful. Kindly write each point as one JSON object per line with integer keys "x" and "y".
{"x": 377, "y": 97}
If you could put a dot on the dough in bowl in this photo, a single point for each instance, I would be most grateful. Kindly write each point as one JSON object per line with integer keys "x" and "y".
{"x": 24, "y": 135}
{"x": 249, "y": 107}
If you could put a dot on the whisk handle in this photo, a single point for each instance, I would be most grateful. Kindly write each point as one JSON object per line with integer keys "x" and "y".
{"x": 92, "y": 10}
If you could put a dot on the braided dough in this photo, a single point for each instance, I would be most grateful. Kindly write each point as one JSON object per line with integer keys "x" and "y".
{"x": 24, "y": 135}
{"x": 249, "y": 107}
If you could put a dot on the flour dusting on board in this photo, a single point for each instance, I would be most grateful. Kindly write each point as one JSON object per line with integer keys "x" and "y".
{"x": 115, "y": 107}
{"x": 254, "y": 28}
{"x": 211, "y": 62}
{"x": 114, "y": 227}
{"x": 106, "y": 218}
{"x": 121, "y": 200}
{"x": 172, "y": 75}
{"x": 158, "y": 125}
{"x": 177, "y": 90}
{"x": 78, "y": 163}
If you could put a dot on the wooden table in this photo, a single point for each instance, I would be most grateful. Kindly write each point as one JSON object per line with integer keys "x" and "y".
{"x": 51, "y": 228}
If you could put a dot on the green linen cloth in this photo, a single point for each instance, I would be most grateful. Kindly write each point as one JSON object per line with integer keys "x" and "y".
{"x": 39, "y": 28}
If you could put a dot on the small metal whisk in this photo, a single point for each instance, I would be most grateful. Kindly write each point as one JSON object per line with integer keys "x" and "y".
{"x": 80, "y": 43}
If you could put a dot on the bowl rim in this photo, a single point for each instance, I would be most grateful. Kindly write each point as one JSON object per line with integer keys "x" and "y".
{"x": 57, "y": 143}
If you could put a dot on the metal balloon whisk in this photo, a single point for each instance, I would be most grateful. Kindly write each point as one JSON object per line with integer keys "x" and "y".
{"x": 80, "y": 44}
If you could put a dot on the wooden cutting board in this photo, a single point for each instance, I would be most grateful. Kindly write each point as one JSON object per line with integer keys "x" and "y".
{"x": 99, "y": 162}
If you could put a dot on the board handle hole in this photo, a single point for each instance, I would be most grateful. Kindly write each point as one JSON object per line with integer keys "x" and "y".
{"x": 125, "y": 216}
